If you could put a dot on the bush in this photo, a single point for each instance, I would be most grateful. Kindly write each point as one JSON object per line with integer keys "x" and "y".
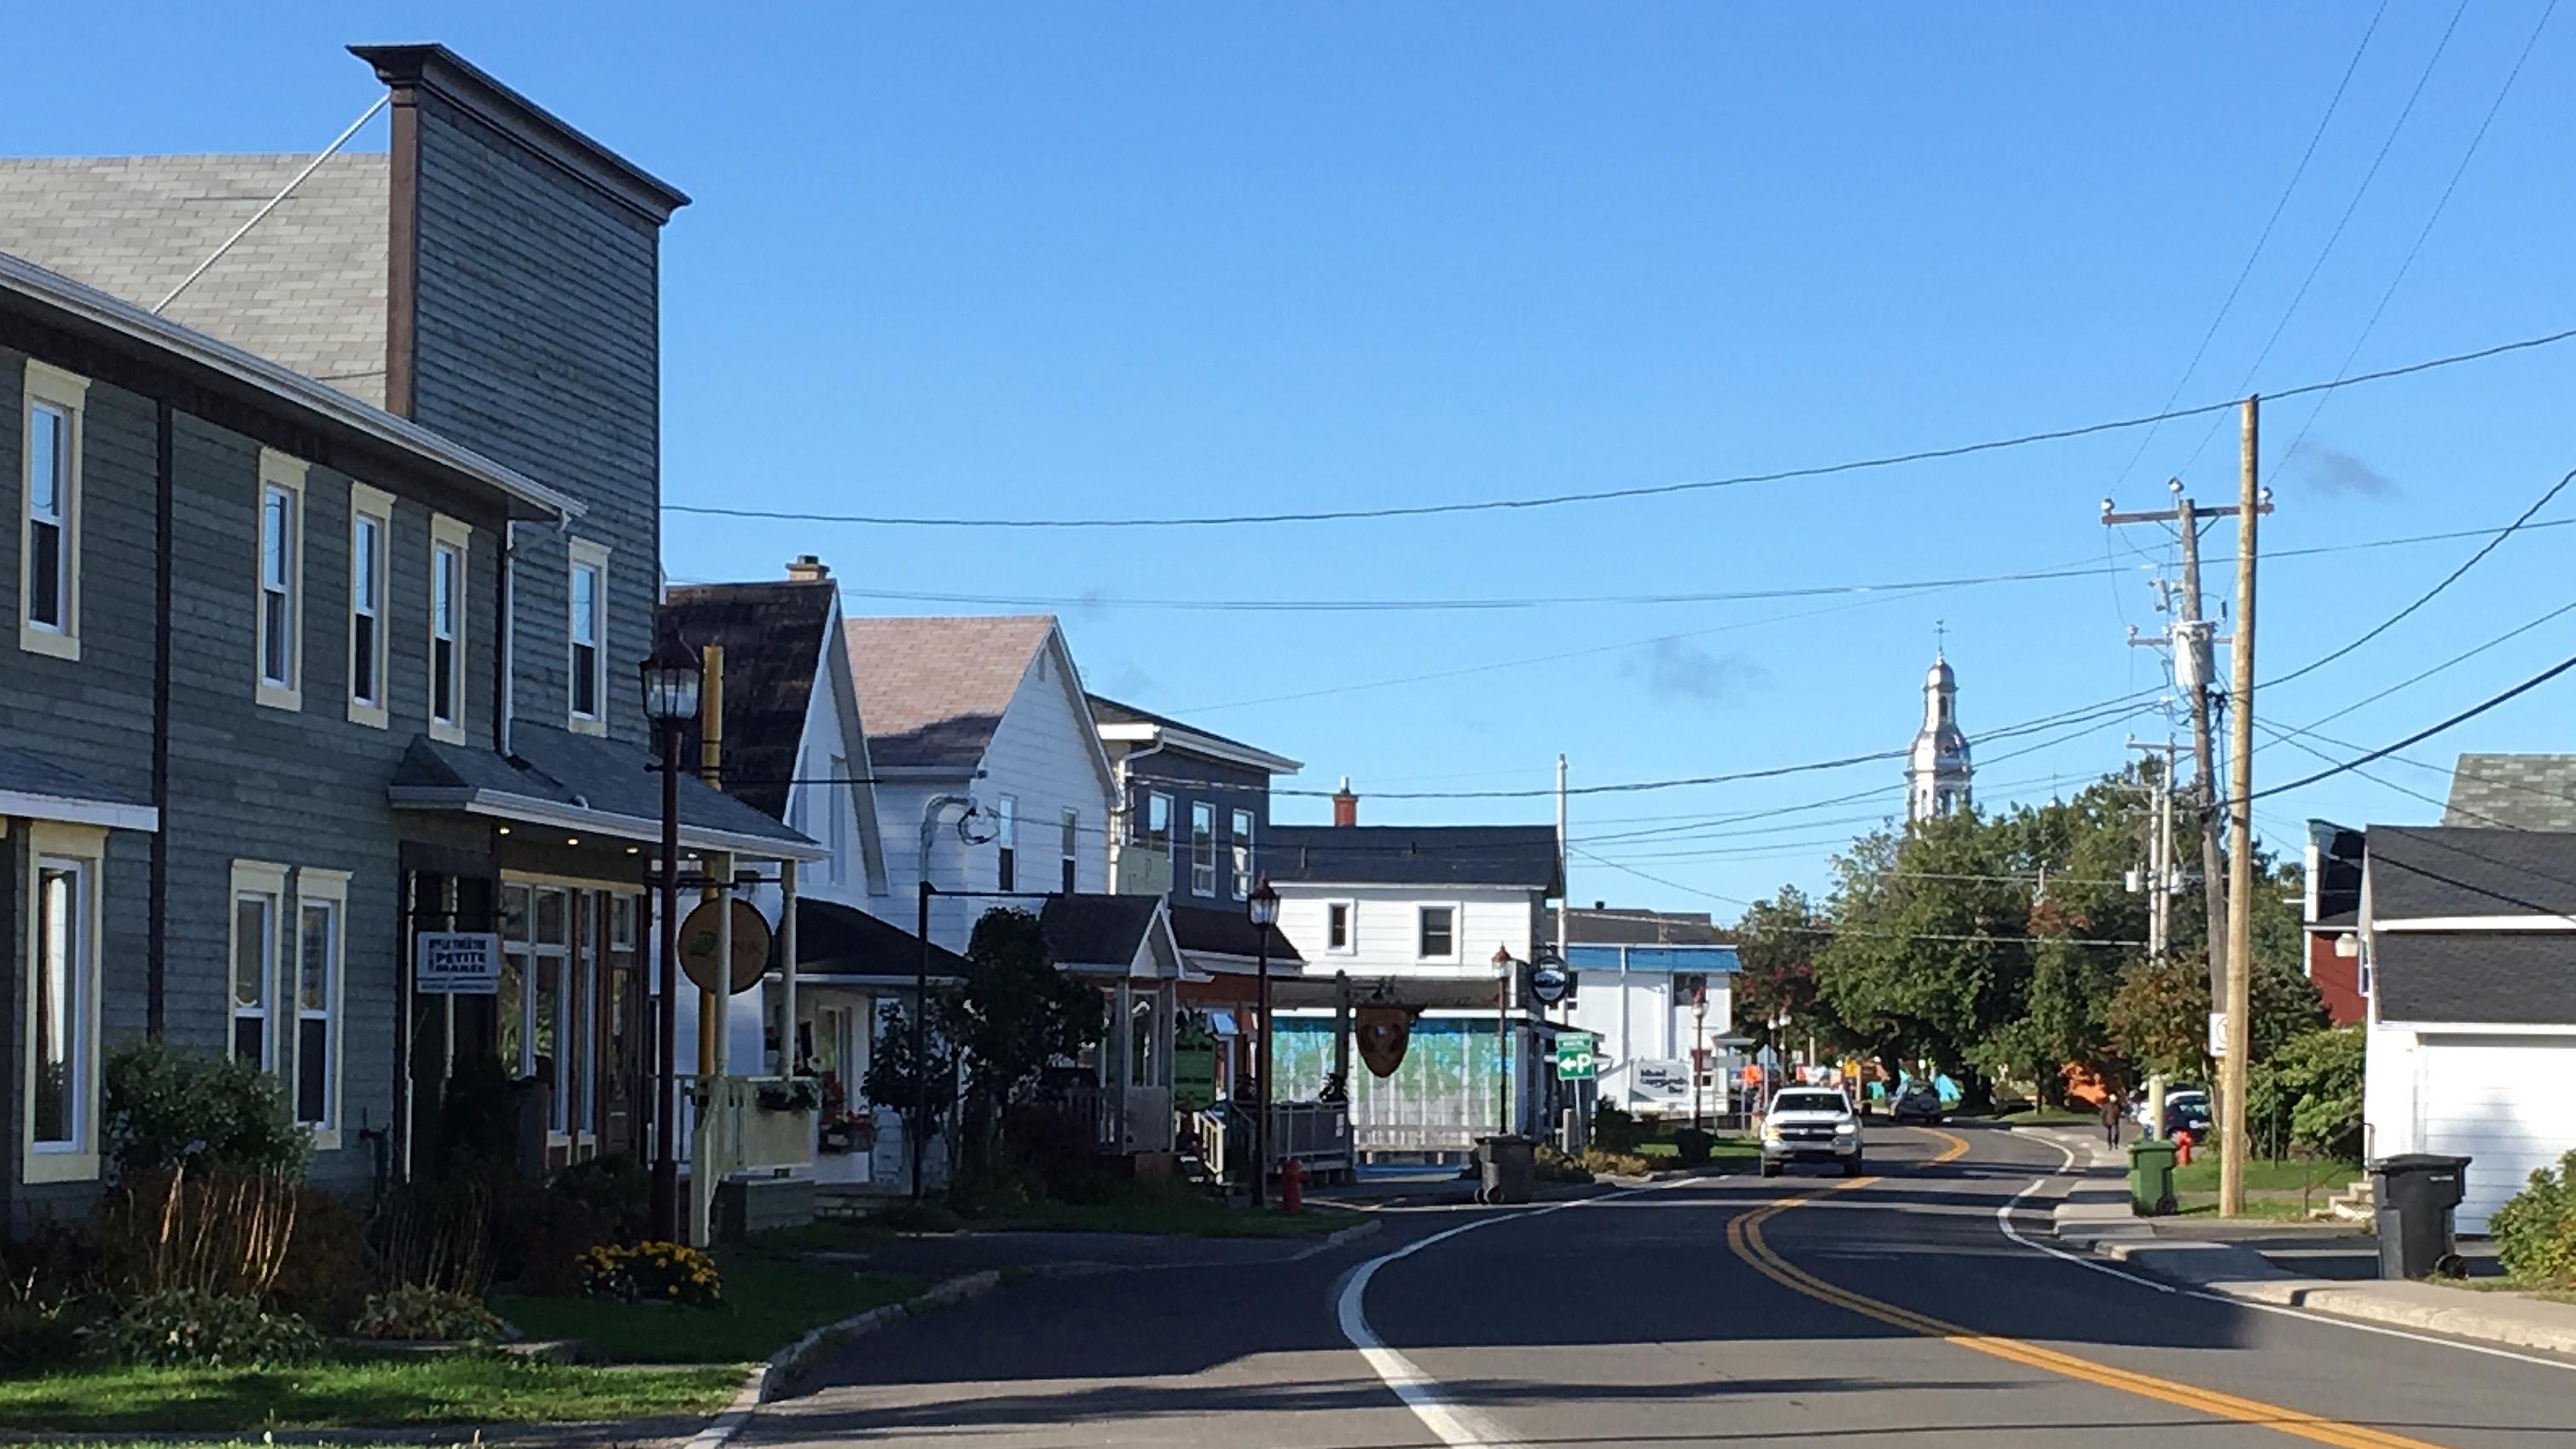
{"x": 426, "y": 1315}
{"x": 478, "y": 1118}
{"x": 435, "y": 1233}
{"x": 1601, "y": 1162}
{"x": 1616, "y": 1130}
{"x": 2535, "y": 1231}
{"x": 916, "y": 1217}
{"x": 616, "y": 1190}
{"x": 1555, "y": 1166}
{"x": 325, "y": 1276}
{"x": 186, "y": 1328}
{"x": 169, "y": 1108}
{"x": 1058, "y": 1147}
{"x": 39, "y": 1326}
{"x": 1693, "y": 1145}
{"x": 652, "y": 1273}
{"x": 220, "y": 1232}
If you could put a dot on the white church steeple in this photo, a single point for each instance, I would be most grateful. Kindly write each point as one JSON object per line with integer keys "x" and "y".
{"x": 1937, "y": 769}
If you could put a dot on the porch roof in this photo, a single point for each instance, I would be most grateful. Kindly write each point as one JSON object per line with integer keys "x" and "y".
{"x": 584, "y": 784}
{"x": 834, "y": 940}
{"x": 36, "y": 788}
{"x": 1091, "y": 934}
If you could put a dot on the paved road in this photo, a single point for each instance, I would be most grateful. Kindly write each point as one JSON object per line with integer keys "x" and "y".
{"x": 1732, "y": 1311}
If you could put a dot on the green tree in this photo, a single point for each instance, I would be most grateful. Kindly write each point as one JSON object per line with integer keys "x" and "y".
{"x": 1775, "y": 947}
{"x": 1018, "y": 1012}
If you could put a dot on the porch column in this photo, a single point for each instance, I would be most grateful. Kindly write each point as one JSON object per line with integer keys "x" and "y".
{"x": 1167, "y": 1001}
{"x": 1122, "y": 1074}
{"x": 787, "y": 968}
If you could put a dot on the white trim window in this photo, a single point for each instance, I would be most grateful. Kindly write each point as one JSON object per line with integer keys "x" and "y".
{"x": 1158, "y": 823}
{"x": 259, "y": 899}
{"x": 1341, "y": 927}
{"x": 1435, "y": 933}
{"x": 449, "y": 548}
{"x": 321, "y": 945}
{"x": 281, "y": 580}
{"x": 1202, "y": 848}
{"x": 545, "y": 1002}
{"x": 49, "y": 531}
{"x": 371, "y": 531}
{"x": 1241, "y": 845}
{"x": 1072, "y": 857}
{"x": 60, "y": 1124}
{"x": 1006, "y": 835}
{"x": 586, "y": 599}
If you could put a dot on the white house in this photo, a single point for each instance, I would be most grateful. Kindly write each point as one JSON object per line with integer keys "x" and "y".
{"x": 1432, "y": 925}
{"x": 2469, "y": 971}
{"x": 1656, "y": 990}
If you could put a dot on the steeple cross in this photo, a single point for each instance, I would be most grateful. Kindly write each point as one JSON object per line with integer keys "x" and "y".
{"x": 1940, "y": 636}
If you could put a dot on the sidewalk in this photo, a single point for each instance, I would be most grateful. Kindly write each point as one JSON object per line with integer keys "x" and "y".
{"x": 2095, "y": 1219}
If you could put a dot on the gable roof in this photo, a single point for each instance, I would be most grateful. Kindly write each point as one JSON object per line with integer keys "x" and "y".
{"x": 1215, "y": 931}
{"x": 1494, "y": 855}
{"x": 2520, "y": 792}
{"x": 305, "y": 288}
{"x": 1125, "y": 722}
{"x": 772, "y": 637}
{"x": 2521, "y": 978}
{"x": 2415, "y": 873}
{"x": 935, "y": 689}
{"x": 1093, "y": 932}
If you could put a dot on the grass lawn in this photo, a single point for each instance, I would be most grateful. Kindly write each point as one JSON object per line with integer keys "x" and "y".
{"x": 2270, "y": 1209}
{"x": 375, "y": 1394}
{"x": 772, "y": 1298}
{"x": 2507, "y": 1285}
{"x": 2325, "y": 1178}
{"x": 1726, "y": 1151}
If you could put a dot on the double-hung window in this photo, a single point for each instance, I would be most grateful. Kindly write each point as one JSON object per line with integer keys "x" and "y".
{"x": 49, "y": 538}
{"x": 321, "y": 940}
{"x": 1202, "y": 848}
{"x": 1339, "y": 928}
{"x": 448, "y": 539}
{"x": 1158, "y": 823}
{"x": 1436, "y": 933}
{"x": 1072, "y": 849}
{"x": 588, "y": 593}
{"x": 61, "y": 1004}
{"x": 1241, "y": 844}
{"x": 259, "y": 901}
{"x": 1007, "y": 834}
{"x": 371, "y": 529}
{"x": 281, "y": 580}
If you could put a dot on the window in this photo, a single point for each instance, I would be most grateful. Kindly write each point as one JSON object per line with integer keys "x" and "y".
{"x": 544, "y": 1003}
{"x": 837, "y": 814}
{"x": 371, "y": 527}
{"x": 1242, "y": 846}
{"x": 589, "y": 633}
{"x": 1202, "y": 849}
{"x": 1437, "y": 934}
{"x": 281, "y": 580}
{"x": 60, "y": 1134}
{"x": 1337, "y": 926}
{"x": 259, "y": 894}
{"x": 447, "y": 555}
{"x": 49, "y": 525}
{"x": 1158, "y": 822}
{"x": 321, "y": 940}
{"x": 1072, "y": 849}
{"x": 1007, "y": 835}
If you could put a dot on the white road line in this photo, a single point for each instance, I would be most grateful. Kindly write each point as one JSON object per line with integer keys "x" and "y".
{"x": 2003, "y": 1220}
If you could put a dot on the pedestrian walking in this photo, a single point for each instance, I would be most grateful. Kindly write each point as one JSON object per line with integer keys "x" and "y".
{"x": 2111, "y": 1117}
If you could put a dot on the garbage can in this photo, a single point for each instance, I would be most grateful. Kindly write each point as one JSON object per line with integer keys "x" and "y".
{"x": 2415, "y": 1194}
{"x": 2151, "y": 1169}
{"x": 1510, "y": 1165}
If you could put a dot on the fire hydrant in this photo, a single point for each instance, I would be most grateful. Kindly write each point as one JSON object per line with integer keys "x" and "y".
{"x": 1292, "y": 1185}
{"x": 2182, "y": 1148}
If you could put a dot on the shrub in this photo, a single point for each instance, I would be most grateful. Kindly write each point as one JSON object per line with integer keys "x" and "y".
{"x": 1058, "y": 1147}
{"x": 1693, "y": 1145}
{"x": 220, "y": 1232}
{"x": 1555, "y": 1166}
{"x": 187, "y": 1328}
{"x": 1601, "y": 1162}
{"x": 435, "y": 1233}
{"x": 478, "y": 1118}
{"x": 652, "y": 1272}
{"x": 1614, "y": 1129}
{"x": 616, "y": 1190}
{"x": 916, "y": 1217}
{"x": 426, "y": 1315}
{"x": 168, "y": 1108}
{"x": 39, "y": 1326}
{"x": 324, "y": 1277}
{"x": 2535, "y": 1231}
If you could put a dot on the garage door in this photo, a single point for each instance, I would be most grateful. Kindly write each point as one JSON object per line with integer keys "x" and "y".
{"x": 2506, "y": 1103}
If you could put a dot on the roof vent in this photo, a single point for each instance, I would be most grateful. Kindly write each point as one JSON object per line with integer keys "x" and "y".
{"x": 805, "y": 568}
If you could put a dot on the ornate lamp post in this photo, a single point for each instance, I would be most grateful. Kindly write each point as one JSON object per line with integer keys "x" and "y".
{"x": 671, "y": 676}
{"x": 1263, "y": 907}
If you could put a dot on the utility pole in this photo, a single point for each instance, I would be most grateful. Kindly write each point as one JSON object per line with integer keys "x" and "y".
{"x": 2250, "y": 507}
{"x": 2162, "y": 878}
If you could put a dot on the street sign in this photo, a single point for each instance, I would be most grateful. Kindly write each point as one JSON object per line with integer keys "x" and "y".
{"x": 1574, "y": 1059}
{"x": 1548, "y": 983}
{"x": 456, "y": 963}
{"x": 2218, "y": 1034}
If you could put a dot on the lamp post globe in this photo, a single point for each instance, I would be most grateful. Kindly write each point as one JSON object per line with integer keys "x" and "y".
{"x": 671, "y": 676}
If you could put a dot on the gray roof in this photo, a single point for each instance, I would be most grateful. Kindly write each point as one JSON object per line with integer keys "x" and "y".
{"x": 24, "y": 774}
{"x": 1493, "y": 855}
{"x": 1216, "y": 931}
{"x": 2521, "y": 792}
{"x": 2417, "y": 872}
{"x": 305, "y": 288}
{"x": 1603, "y": 926}
{"x": 772, "y": 636}
{"x": 935, "y": 689}
{"x": 2523, "y": 978}
{"x": 1097, "y": 930}
{"x": 557, "y": 768}
{"x": 837, "y": 940}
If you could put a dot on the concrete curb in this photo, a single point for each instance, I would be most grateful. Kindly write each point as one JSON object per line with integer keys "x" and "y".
{"x": 767, "y": 1380}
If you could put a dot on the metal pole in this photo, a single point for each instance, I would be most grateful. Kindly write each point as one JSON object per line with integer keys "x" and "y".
{"x": 1261, "y": 1084}
{"x": 2240, "y": 838}
{"x": 920, "y": 1130}
{"x": 666, "y": 1164}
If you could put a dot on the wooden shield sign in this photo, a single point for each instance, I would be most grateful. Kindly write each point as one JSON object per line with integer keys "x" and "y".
{"x": 1384, "y": 1033}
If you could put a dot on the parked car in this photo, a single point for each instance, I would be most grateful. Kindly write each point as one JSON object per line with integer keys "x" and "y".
{"x": 2186, "y": 1112}
{"x": 1917, "y": 1103}
{"x": 1810, "y": 1124}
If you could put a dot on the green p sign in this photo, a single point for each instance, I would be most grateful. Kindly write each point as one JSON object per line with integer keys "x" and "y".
{"x": 1574, "y": 1059}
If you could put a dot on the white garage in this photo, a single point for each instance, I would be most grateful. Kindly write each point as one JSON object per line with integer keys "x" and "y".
{"x": 2507, "y": 1103}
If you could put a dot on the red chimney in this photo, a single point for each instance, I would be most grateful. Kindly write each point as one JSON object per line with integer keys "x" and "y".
{"x": 1346, "y": 806}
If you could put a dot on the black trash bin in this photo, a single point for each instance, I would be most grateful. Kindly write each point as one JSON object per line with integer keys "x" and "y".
{"x": 2415, "y": 1193}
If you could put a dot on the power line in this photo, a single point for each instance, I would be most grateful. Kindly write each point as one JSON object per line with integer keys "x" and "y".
{"x": 2472, "y": 712}
{"x": 1495, "y": 505}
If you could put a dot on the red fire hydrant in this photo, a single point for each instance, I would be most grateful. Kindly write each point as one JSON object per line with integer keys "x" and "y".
{"x": 1292, "y": 1185}
{"x": 2182, "y": 1148}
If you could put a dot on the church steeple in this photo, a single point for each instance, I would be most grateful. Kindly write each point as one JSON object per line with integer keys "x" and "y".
{"x": 1937, "y": 770}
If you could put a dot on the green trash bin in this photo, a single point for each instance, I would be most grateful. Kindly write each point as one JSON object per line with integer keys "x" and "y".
{"x": 2151, "y": 1167}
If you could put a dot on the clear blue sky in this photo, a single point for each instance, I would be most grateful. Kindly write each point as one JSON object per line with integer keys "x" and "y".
{"x": 1059, "y": 260}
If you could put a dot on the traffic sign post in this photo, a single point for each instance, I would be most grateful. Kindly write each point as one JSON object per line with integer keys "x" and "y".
{"x": 1574, "y": 1059}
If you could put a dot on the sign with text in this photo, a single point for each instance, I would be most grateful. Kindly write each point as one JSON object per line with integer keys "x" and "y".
{"x": 1574, "y": 1059}
{"x": 456, "y": 963}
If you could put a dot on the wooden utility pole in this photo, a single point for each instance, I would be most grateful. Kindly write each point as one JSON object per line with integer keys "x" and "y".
{"x": 2240, "y": 835}
{"x": 2161, "y": 878}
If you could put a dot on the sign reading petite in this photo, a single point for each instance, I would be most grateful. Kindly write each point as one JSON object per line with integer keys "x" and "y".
{"x": 456, "y": 963}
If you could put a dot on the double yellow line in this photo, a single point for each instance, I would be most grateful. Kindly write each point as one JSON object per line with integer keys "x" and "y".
{"x": 1744, "y": 1236}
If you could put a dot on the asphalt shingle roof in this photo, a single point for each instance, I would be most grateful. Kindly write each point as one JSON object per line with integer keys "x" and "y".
{"x": 1097, "y": 930}
{"x": 933, "y": 690}
{"x": 1605, "y": 927}
{"x": 837, "y": 940}
{"x": 583, "y": 772}
{"x": 1220, "y": 932}
{"x": 2417, "y": 872}
{"x": 25, "y": 774}
{"x": 2524, "y": 978}
{"x": 305, "y": 288}
{"x": 2520, "y": 792}
{"x": 1110, "y": 711}
{"x": 772, "y": 636}
{"x": 1497, "y": 855}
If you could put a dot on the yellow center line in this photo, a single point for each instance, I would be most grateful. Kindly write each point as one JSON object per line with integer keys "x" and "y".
{"x": 1744, "y": 1237}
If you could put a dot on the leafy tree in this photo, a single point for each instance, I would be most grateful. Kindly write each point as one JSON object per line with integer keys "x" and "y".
{"x": 2307, "y": 1094}
{"x": 1018, "y": 1012}
{"x": 1775, "y": 945}
{"x": 894, "y": 1076}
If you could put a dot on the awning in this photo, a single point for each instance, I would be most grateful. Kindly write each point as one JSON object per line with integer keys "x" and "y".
{"x": 36, "y": 788}
{"x": 585, "y": 785}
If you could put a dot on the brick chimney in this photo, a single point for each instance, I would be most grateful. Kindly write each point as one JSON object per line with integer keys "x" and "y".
{"x": 805, "y": 568}
{"x": 1346, "y": 806}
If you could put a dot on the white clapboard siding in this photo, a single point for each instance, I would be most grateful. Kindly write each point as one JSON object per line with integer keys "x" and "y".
{"x": 1386, "y": 927}
{"x": 2502, "y": 1102}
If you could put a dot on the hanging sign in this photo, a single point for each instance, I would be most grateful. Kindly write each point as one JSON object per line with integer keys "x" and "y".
{"x": 698, "y": 933}
{"x": 1548, "y": 983}
{"x": 1384, "y": 1032}
{"x": 456, "y": 963}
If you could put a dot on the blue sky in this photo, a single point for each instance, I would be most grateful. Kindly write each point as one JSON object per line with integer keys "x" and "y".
{"x": 1136, "y": 260}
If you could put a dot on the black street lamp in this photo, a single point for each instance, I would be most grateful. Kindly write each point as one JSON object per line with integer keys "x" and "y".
{"x": 1263, "y": 906}
{"x": 671, "y": 676}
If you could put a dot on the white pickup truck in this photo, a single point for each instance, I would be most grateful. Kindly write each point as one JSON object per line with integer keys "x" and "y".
{"x": 1810, "y": 1124}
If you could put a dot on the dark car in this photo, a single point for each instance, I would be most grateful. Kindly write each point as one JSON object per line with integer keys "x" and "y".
{"x": 1917, "y": 1104}
{"x": 2187, "y": 1112}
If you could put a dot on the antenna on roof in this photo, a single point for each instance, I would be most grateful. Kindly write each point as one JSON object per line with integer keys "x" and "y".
{"x": 261, "y": 215}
